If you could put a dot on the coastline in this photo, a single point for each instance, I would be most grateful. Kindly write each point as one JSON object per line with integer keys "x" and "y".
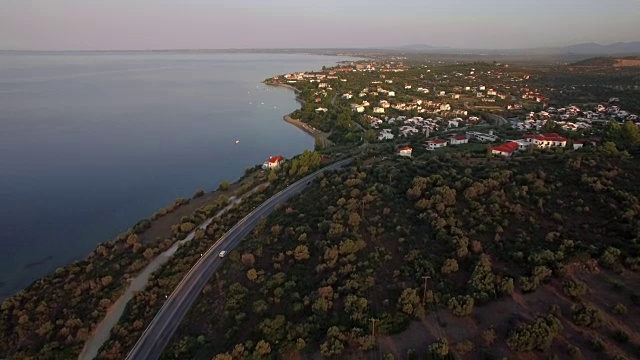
{"x": 310, "y": 130}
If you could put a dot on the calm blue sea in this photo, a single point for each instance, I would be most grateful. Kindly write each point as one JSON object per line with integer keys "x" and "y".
{"x": 90, "y": 143}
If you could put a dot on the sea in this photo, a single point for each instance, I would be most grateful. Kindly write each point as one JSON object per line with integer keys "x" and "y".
{"x": 92, "y": 142}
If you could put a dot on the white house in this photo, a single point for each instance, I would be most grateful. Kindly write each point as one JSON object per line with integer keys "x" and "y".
{"x": 321, "y": 109}
{"x": 435, "y": 144}
{"x": 391, "y": 93}
{"x": 274, "y": 162}
{"x": 546, "y": 140}
{"x": 460, "y": 139}
{"x": 405, "y": 151}
{"x": 347, "y": 96}
{"x": 378, "y": 110}
{"x": 385, "y": 135}
{"x": 357, "y": 108}
{"x": 577, "y": 144}
{"x": 454, "y": 122}
{"x": 445, "y": 107}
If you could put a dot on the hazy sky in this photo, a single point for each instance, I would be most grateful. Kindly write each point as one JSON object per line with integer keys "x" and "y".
{"x": 180, "y": 24}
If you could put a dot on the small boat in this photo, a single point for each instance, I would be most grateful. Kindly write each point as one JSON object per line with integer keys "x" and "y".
{"x": 237, "y": 141}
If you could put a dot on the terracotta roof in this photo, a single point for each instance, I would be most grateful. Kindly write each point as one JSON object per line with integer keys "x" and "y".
{"x": 437, "y": 141}
{"x": 507, "y": 147}
{"x": 275, "y": 159}
{"x": 405, "y": 148}
{"x": 460, "y": 137}
{"x": 546, "y": 137}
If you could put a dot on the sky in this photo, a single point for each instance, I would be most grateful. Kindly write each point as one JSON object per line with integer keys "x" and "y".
{"x": 221, "y": 24}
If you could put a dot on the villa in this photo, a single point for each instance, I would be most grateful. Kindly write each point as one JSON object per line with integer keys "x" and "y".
{"x": 405, "y": 151}
{"x": 460, "y": 139}
{"x": 274, "y": 162}
{"x": 506, "y": 149}
{"x": 546, "y": 140}
{"x": 435, "y": 144}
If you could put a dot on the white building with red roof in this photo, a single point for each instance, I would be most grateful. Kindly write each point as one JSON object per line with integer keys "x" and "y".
{"x": 274, "y": 162}
{"x": 405, "y": 151}
{"x": 545, "y": 141}
{"x": 460, "y": 139}
{"x": 435, "y": 144}
{"x": 506, "y": 149}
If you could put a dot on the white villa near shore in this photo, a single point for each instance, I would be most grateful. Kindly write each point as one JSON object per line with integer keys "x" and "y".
{"x": 274, "y": 162}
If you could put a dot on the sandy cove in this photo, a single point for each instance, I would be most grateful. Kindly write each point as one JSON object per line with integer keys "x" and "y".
{"x": 315, "y": 133}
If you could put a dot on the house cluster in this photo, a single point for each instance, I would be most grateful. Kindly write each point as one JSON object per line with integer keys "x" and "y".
{"x": 415, "y": 125}
{"x": 440, "y": 143}
{"x": 539, "y": 141}
{"x": 274, "y": 162}
{"x": 572, "y": 118}
{"x": 406, "y": 126}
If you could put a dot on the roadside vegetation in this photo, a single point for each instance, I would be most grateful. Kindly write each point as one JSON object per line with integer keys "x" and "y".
{"x": 516, "y": 254}
{"x": 448, "y": 254}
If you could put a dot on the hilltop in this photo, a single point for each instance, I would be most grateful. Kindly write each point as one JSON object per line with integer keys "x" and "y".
{"x": 610, "y": 62}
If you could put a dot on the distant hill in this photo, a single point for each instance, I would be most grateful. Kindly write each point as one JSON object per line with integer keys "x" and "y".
{"x": 620, "y": 48}
{"x": 610, "y": 61}
{"x": 585, "y": 49}
{"x": 418, "y": 47}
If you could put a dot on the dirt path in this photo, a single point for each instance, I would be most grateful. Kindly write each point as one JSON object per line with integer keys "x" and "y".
{"x": 102, "y": 332}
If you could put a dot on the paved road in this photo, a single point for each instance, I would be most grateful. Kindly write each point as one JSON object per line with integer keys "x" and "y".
{"x": 164, "y": 324}
{"x": 103, "y": 331}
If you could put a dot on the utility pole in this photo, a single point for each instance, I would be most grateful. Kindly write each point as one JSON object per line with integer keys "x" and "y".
{"x": 424, "y": 296}
{"x": 373, "y": 327}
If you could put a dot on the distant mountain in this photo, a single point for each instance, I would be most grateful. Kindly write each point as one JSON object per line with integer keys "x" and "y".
{"x": 592, "y": 49}
{"x": 417, "y": 47}
{"x": 620, "y": 48}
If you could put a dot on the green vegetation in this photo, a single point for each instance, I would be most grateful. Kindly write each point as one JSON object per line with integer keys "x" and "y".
{"x": 451, "y": 238}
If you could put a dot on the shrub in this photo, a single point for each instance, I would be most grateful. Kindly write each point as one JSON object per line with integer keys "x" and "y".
{"x": 574, "y": 288}
{"x": 461, "y": 305}
{"x": 596, "y": 345}
{"x": 537, "y": 336}
{"x": 585, "y": 315}
{"x": 619, "y": 309}
{"x": 620, "y": 336}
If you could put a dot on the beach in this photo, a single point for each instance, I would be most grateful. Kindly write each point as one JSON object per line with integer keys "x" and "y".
{"x": 315, "y": 133}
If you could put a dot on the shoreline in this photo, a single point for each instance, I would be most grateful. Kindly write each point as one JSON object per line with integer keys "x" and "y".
{"x": 308, "y": 129}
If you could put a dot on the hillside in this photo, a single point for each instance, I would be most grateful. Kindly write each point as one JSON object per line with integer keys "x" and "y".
{"x": 610, "y": 62}
{"x": 537, "y": 255}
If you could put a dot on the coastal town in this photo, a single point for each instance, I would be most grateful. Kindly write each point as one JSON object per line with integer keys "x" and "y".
{"x": 494, "y": 108}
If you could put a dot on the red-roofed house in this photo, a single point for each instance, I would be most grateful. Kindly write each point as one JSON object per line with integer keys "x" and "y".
{"x": 435, "y": 144}
{"x": 545, "y": 141}
{"x": 405, "y": 151}
{"x": 460, "y": 139}
{"x": 274, "y": 162}
{"x": 577, "y": 144}
{"x": 506, "y": 149}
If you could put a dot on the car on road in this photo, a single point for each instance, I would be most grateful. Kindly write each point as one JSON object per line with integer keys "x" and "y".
{"x": 222, "y": 253}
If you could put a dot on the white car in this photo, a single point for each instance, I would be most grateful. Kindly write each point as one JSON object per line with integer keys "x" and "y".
{"x": 222, "y": 253}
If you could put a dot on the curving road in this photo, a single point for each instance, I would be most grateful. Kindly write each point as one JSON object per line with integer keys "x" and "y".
{"x": 164, "y": 324}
